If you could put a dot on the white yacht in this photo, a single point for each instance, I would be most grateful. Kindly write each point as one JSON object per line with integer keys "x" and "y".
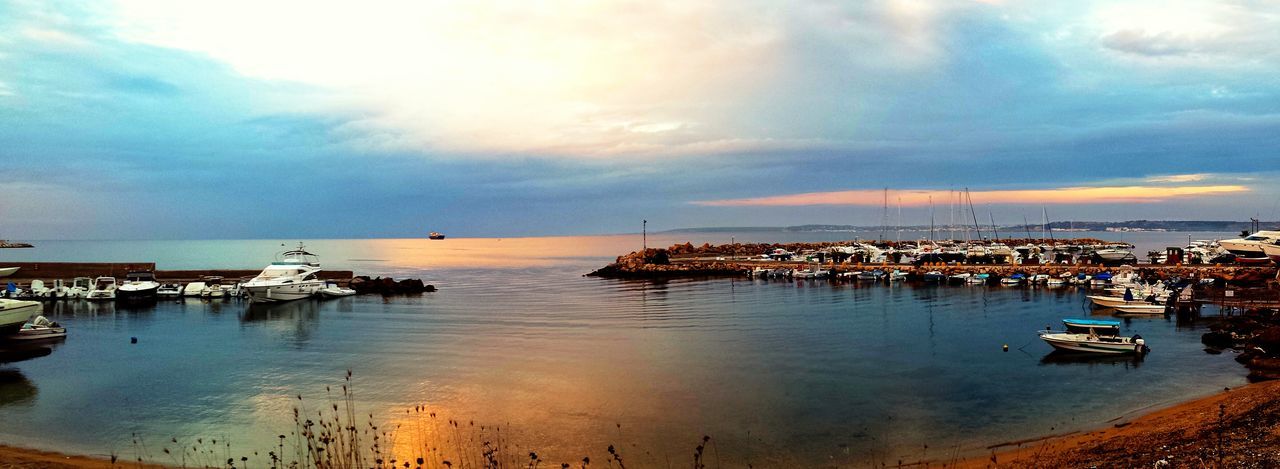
{"x": 1250, "y": 247}
{"x": 293, "y": 277}
{"x": 104, "y": 289}
{"x": 15, "y": 313}
{"x": 1093, "y": 336}
{"x": 139, "y": 286}
{"x": 193, "y": 289}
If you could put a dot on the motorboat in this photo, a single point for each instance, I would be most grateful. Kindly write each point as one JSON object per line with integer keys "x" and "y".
{"x": 295, "y": 276}
{"x": 104, "y": 289}
{"x": 1250, "y": 246}
{"x": 979, "y": 279}
{"x": 332, "y": 290}
{"x": 1272, "y": 250}
{"x": 169, "y": 290}
{"x": 759, "y": 272}
{"x": 1039, "y": 279}
{"x": 1014, "y": 280}
{"x": 80, "y": 287}
{"x": 59, "y": 291}
{"x": 934, "y": 276}
{"x": 1055, "y": 281}
{"x": 1115, "y": 256}
{"x": 897, "y": 275}
{"x": 435, "y": 235}
{"x": 871, "y": 275}
{"x": 138, "y": 286}
{"x": 1117, "y": 301}
{"x": 40, "y": 328}
{"x": 1141, "y": 309}
{"x": 193, "y": 289}
{"x": 38, "y": 290}
{"x": 15, "y": 313}
{"x": 1093, "y": 336}
{"x": 1100, "y": 279}
{"x": 7, "y": 271}
{"x": 960, "y": 278}
{"x": 213, "y": 288}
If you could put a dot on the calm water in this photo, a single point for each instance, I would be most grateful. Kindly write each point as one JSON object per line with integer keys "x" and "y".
{"x": 776, "y": 372}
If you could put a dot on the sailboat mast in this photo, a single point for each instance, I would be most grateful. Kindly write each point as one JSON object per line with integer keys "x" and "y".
{"x": 899, "y": 220}
{"x": 995, "y": 231}
{"x": 931, "y": 219}
{"x": 884, "y": 216}
{"x": 1026, "y": 226}
{"x": 971, "y": 212}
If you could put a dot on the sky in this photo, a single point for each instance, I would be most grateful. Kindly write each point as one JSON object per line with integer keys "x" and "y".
{"x": 289, "y": 119}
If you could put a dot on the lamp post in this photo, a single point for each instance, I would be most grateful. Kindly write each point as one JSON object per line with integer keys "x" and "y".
{"x": 644, "y": 235}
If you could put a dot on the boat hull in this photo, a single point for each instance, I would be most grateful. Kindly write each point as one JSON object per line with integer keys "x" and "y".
{"x": 137, "y": 293}
{"x": 279, "y": 293}
{"x": 7, "y": 271}
{"x": 40, "y": 333}
{"x": 1081, "y": 344}
{"x": 16, "y": 313}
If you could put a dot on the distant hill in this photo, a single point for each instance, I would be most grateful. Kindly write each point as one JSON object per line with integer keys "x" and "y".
{"x": 1132, "y": 225}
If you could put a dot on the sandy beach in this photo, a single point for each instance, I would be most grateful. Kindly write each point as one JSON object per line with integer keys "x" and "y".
{"x": 1243, "y": 422}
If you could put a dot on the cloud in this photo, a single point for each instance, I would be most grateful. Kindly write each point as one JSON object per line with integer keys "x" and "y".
{"x": 1179, "y": 178}
{"x": 1062, "y": 195}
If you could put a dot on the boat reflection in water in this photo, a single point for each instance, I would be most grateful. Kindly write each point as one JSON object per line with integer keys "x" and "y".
{"x": 1058, "y": 357}
{"x": 295, "y": 319}
{"x": 16, "y": 388}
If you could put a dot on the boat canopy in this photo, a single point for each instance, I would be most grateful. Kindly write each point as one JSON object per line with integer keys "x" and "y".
{"x": 1091, "y": 322}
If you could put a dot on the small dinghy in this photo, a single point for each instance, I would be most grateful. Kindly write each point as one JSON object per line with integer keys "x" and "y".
{"x": 1140, "y": 309}
{"x": 40, "y": 329}
{"x": 1093, "y": 336}
{"x": 332, "y": 290}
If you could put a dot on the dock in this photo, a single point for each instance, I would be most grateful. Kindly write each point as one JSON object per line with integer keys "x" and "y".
{"x": 48, "y": 271}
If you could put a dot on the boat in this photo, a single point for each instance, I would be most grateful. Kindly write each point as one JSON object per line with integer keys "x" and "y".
{"x": 980, "y": 279}
{"x": 1100, "y": 279}
{"x": 15, "y": 313}
{"x": 1115, "y": 256}
{"x": 1093, "y": 336}
{"x": 213, "y": 288}
{"x": 80, "y": 287}
{"x": 38, "y": 290}
{"x": 934, "y": 276}
{"x": 1117, "y": 301}
{"x": 897, "y": 275}
{"x": 962, "y": 277}
{"x": 332, "y": 290}
{"x": 1250, "y": 246}
{"x": 1271, "y": 249}
{"x": 193, "y": 289}
{"x": 435, "y": 235}
{"x": 1039, "y": 279}
{"x": 40, "y": 328}
{"x": 871, "y": 275}
{"x": 1141, "y": 309}
{"x": 138, "y": 286}
{"x": 104, "y": 289}
{"x": 1055, "y": 281}
{"x": 7, "y": 271}
{"x": 293, "y": 277}
{"x": 169, "y": 290}
{"x": 1013, "y": 280}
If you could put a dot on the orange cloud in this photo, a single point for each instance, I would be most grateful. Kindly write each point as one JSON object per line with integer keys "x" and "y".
{"x": 1061, "y": 195}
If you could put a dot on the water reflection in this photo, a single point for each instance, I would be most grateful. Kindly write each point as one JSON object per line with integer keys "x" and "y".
{"x": 298, "y": 319}
{"x": 1058, "y": 357}
{"x": 16, "y": 388}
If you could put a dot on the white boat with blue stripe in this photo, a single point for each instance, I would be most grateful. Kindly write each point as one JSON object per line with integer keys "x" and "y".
{"x": 1093, "y": 336}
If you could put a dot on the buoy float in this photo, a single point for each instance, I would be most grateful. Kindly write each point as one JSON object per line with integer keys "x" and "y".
{"x": 1006, "y": 347}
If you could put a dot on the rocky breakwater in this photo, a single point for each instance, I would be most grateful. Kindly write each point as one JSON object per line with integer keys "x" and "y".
{"x": 1256, "y": 335}
{"x": 656, "y": 263}
{"x": 389, "y": 286}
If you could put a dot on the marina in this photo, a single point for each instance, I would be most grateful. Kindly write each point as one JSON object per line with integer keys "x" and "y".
{"x": 516, "y": 315}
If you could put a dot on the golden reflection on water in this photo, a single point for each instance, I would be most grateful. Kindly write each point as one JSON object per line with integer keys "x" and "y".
{"x": 500, "y": 252}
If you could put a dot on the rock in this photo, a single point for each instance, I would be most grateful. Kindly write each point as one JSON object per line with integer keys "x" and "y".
{"x": 1217, "y": 339}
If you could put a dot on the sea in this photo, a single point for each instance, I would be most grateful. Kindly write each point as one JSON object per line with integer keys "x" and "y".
{"x": 520, "y": 350}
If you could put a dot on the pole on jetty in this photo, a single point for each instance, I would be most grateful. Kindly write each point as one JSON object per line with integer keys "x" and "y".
{"x": 644, "y": 235}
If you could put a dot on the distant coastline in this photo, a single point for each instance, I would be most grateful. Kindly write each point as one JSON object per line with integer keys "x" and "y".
{"x": 1128, "y": 226}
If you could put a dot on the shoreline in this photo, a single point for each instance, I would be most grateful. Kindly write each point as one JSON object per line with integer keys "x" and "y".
{"x": 1246, "y": 420}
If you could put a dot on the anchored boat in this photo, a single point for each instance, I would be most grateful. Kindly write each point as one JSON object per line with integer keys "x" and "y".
{"x": 1093, "y": 336}
{"x": 15, "y": 313}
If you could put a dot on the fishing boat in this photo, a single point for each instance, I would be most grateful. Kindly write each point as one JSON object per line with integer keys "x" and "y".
{"x": 293, "y": 277}
{"x": 138, "y": 286}
{"x": 41, "y": 328}
{"x": 435, "y": 235}
{"x": 1093, "y": 336}
{"x": 332, "y": 290}
{"x": 104, "y": 289}
{"x": 15, "y": 313}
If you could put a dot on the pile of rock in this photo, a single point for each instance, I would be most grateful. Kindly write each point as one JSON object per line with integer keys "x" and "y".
{"x": 389, "y": 286}
{"x": 656, "y": 263}
{"x": 1257, "y": 337}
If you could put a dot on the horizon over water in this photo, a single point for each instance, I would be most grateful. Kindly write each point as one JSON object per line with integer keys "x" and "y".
{"x": 776, "y": 372}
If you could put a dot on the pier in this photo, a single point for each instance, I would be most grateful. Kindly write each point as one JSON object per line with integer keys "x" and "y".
{"x": 47, "y": 271}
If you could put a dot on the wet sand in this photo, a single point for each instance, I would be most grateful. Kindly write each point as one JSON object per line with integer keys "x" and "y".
{"x": 1235, "y": 428}
{"x": 13, "y": 457}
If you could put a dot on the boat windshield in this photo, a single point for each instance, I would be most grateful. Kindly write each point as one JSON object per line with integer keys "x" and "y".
{"x": 270, "y": 273}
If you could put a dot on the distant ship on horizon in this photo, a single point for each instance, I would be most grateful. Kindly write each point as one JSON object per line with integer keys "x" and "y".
{"x": 435, "y": 235}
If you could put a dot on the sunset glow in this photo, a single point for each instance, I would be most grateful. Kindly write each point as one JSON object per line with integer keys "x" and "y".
{"x": 915, "y": 198}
